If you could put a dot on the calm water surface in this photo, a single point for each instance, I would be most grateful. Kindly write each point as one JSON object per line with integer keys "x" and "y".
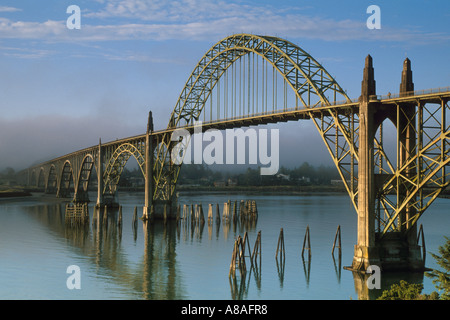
{"x": 181, "y": 262}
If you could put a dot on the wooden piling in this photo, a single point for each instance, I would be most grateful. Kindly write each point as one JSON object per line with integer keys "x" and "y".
{"x": 210, "y": 213}
{"x": 135, "y": 216}
{"x": 95, "y": 216}
{"x": 233, "y": 259}
{"x": 192, "y": 214}
{"x": 165, "y": 213}
{"x": 234, "y": 212}
{"x": 338, "y": 238}
{"x": 421, "y": 236}
{"x": 226, "y": 212}
{"x": 201, "y": 215}
{"x": 280, "y": 246}
{"x": 178, "y": 216}
{"x": 254, "y": 210}
{"x": 238, "y": 257}
{"x": 307, "y": 242}
{"x": 105, "y": 215}
{"x": 257, "y": 250}
{"x": 241, "y": 210}
{"x": 185, "y": 212}
{"x": 246, "y": 241}
{"x": 120, "y": 216}
{"x": 217, "y": 214}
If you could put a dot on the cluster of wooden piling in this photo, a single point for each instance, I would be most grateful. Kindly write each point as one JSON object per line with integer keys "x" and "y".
{"x": 240, "y": 245}
{"x": 101, "y": 218}
{"x": 193, "y": 213}
{"x": 238, "y": 255}
{"x": 76, "y": 214}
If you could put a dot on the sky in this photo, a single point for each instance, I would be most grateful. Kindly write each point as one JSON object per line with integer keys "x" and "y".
{"x": 62, "y": 89}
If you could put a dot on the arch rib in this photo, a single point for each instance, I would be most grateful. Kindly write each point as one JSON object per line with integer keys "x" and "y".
{"x": 116, "y": 164}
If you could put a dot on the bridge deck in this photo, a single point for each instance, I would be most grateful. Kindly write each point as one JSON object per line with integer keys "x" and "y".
{"x": 284, "y": 115}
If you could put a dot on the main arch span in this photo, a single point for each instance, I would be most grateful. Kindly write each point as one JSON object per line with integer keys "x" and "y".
{"x": 299, "y": 72}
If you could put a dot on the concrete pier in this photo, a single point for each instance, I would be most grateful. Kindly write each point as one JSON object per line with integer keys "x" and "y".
{"x": 148, "y": 210}
{"x": 397, "y": 250}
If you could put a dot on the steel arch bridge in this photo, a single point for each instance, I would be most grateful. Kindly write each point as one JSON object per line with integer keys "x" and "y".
{"x": 246, "y": 80}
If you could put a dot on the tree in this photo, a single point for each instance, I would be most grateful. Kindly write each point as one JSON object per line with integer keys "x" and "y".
{"x": 407, "y": 291}
{"x": 8, "y": 172}
{"x": 441, "y": 279}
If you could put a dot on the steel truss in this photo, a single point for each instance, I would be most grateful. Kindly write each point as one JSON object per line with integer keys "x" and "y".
{"x": 421, "y": 172}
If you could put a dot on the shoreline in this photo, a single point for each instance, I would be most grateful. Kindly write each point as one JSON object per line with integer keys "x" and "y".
{"x": 14, "y": 194}
{"x": 266, "y": 189}
{"x": 286, "y": 189}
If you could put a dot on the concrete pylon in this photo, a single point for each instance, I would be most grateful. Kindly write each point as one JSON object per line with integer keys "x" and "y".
{"x": 406, "y": 84}
{"x": 396, "y": 250}
{"x": 147, "y": 210}
{"x": 100, "y": 175}
{"x": 406, "y": 125}
{"x": 366, "y": 253}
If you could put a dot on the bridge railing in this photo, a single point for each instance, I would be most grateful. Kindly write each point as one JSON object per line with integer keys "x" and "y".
{"x": 266, "y": 113}
{"x": 278, "y": 111}
{"x": 413, "y": 93}
{"x": 335, "y": 103}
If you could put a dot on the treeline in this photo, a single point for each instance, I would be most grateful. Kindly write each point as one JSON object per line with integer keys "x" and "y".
{"x": 305, "y": 174}
{"x": 203, "y": 175}
{"x": 8, "y": 173}
{"x": 7, "y": 176}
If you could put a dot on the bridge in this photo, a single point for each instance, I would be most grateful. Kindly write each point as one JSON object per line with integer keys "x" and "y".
{"x": 246, "y": 80}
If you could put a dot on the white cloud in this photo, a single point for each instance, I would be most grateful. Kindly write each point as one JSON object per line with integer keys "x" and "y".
{"x": 9, "y": 9}
{"x": 180, "y": 11}
{"x": 121, "y": 20}
{"x": 31, "y": 30}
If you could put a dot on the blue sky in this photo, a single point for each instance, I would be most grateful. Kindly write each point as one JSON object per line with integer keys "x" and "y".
{"x": 62, "y": 89}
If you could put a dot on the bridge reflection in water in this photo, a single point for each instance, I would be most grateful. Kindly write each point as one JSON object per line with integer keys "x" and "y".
{"x": 154, "y": 276}
{"x": 159, "y": 270}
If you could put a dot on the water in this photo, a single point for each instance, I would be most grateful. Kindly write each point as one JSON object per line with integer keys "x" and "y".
{"x": 171, "y": 262}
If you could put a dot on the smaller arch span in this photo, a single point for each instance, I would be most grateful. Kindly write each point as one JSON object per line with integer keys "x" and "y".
{"x": 66, "y": 183}
{"x": 116, "y": 164}
{"x": 40, "y": 182}
{"x": 83, "y": 179}
{"x": 52, "y": 180}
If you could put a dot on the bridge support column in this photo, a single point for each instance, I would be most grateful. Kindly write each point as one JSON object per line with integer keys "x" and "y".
{"x": 407, "y": 140}
{"x": 100, "y": 203}
{"x": 148, "y": 210}
{"x": 396, "y": 250}
{"x": 366, "y": 253}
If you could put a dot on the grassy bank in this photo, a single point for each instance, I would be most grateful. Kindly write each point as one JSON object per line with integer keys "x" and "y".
{"x": 14, "y": 192}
